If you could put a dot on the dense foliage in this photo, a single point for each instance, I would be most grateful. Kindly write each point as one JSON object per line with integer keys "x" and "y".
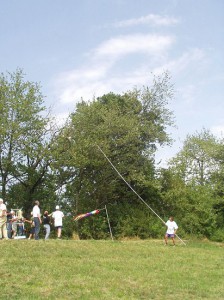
{"x": 105, "y": 144}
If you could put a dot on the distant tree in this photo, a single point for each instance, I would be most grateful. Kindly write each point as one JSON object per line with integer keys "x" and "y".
{"x": 196, "y": 163}
{"x": 190, "y": 189}
{"x": 217, "y": 181}
{"x": 192, "y": 205}
{"x": 25, "y": 135}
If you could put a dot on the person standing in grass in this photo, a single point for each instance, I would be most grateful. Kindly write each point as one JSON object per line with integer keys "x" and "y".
{"x": 37, "y": 219}
{"x": 171, "y": 230}
{"x": 47, "y": 227}
{"x": 14, "y": 224}
{"x": 3, "y": 220}
{"x": 32, "y": 227}
{"x": 9, "y": 224}
{"x": 58, "y": 216}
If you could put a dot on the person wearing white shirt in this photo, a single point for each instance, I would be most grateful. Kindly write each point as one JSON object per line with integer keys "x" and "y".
{"x": 37, "y": 219}
{"x": 3, "y": 220}
{"x": 171, "y": 230}
{"x": 58, "y": 216}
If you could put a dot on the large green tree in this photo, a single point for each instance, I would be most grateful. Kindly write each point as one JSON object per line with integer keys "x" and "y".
{"x": 25, "y": 135}
{"x": 128, "y": 128}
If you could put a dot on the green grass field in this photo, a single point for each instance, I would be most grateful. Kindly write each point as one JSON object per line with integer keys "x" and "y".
{"x": 67, "y": 269}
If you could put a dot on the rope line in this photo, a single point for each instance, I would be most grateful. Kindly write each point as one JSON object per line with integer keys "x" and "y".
{"x": 135, "y": 191}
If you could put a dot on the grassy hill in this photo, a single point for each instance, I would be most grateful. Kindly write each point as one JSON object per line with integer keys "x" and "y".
{"x": 67, "y": 269}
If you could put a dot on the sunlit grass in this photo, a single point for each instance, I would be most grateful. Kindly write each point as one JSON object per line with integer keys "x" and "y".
{"x": 66, "y": 269}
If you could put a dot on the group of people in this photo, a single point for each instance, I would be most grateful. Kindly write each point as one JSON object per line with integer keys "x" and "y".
{"x": 57, "y": 216}
{"x": 12, "y": 224}
{"x": 36, "y": 220}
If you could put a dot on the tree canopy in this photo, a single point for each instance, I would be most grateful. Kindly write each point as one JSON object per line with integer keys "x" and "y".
{"x": 64, "y": 165}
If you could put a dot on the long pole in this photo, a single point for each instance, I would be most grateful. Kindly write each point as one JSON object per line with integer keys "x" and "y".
{"x": 109, "y": 223}
{"x": 135, "y": 191}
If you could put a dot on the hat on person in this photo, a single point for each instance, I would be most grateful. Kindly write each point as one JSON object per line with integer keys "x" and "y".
{"x": 1, "y": 200}
{"x": 57, "y": 207}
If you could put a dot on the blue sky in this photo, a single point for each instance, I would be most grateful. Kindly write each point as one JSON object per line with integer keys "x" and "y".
{"x": 87, "y": 48}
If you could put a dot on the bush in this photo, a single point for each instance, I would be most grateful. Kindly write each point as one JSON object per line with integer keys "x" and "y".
{"x": 218, "y": 235}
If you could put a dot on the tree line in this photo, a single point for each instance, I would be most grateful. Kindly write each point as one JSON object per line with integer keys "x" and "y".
{"x": 40, "y": 160}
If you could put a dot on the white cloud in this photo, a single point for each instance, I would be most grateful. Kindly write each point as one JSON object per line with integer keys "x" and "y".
{"x": 180, "y": 67}
{"x": 96, "y": 77}
{"x": 85, "y": 90}
{"x": 176, "y": 66}
{"x": 129, "y": 44}
{"x": 151, "y": 19}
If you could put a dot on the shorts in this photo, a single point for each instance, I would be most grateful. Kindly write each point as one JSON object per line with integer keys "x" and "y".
{"x": 58, "y": 227}
{"x": 170, "y": 235}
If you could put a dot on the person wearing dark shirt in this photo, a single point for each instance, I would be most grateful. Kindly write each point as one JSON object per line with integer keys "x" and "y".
{"x": 9, "y": 224}
{"x": 47, "y": 227}
{"x": 32, "y": 227}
